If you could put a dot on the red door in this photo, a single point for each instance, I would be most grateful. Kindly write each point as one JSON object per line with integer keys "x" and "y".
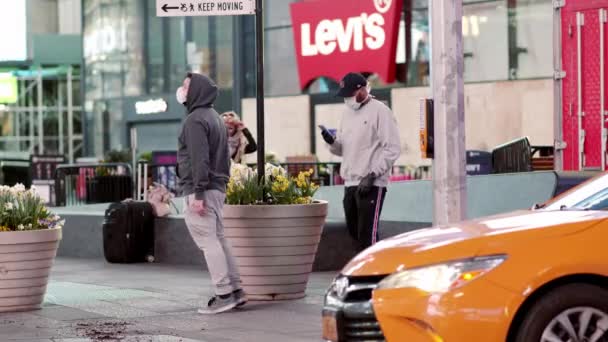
{"x": 584, "y": 93}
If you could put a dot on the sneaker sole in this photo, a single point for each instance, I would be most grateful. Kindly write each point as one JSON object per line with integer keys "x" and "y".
{"x": 218, "y": 310}
{"x": 242, "y": 301}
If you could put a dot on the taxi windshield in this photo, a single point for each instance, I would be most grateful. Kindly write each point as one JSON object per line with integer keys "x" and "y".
{"x": 591, "y": 195}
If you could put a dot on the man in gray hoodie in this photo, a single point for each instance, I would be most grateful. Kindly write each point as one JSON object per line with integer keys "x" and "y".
{"x": 369, "y": 144}
{"x": 204, "y": 171}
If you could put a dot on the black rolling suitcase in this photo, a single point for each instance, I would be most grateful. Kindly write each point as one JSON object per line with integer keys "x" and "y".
{"x": 128, "y": 232}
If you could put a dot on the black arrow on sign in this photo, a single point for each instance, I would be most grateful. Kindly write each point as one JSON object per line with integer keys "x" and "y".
{"x": 167, "y": 7}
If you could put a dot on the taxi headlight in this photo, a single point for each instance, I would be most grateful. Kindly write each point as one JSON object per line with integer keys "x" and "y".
{"x": 442, "y": 277}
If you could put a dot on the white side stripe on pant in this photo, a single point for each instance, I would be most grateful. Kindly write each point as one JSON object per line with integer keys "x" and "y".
{"x": 377, "y": 216}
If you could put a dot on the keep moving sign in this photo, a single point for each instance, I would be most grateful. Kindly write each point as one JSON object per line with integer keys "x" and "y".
{"x": 181, "y": 8}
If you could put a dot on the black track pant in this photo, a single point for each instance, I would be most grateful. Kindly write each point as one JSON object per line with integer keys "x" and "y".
{"x": 363, "y": 214}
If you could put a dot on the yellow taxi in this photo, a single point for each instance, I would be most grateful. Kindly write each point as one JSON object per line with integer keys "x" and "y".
{"x": 537, "y": 275}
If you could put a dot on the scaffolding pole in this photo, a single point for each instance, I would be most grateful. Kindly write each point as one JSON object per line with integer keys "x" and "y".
{"x": 60, "y": 118}
{"x": 70, "y": 117}
{"x": 32, "y": 126}
{"x": 40, "y": 115}
{"x": 41, "y": 97}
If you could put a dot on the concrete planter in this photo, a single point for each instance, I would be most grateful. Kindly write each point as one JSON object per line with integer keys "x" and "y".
{"x": 26, "y": 258}
{"x": 275, "y": 246}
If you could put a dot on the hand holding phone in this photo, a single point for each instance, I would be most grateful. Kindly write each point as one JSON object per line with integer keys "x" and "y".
{"x": 328, "y": 137}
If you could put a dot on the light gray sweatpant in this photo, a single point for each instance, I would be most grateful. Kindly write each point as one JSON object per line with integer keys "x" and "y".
{"x": 208, "y": 233}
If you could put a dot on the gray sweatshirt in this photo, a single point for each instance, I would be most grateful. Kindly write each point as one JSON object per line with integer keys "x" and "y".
{"x": 203, "y": 154}
{"x": 368, "y": 141}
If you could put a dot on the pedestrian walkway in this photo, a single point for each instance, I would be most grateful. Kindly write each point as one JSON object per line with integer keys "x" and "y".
{"x": 90, "y": 300}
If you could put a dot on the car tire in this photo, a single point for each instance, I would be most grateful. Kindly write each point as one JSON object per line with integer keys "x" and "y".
{"x": 562, "y": 300}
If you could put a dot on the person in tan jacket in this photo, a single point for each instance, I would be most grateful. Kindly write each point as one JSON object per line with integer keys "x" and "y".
{"x": 240, "y": 140}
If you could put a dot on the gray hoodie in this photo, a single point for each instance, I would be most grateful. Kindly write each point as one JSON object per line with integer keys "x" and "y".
{"x": 368, "y": 142}
{"x": 203, "y": 154}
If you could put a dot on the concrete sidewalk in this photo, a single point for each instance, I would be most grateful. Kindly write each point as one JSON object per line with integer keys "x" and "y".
{"x": 90, "y": 300}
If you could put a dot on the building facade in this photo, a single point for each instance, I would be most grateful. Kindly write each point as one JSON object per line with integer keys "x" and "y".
{"x": 134, "y": 61}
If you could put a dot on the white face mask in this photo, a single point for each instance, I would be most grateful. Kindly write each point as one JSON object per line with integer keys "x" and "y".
{"x": 352, "y": 102}
{"x": 180, "y": 95}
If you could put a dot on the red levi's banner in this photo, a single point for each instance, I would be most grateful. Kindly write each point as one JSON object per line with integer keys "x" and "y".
{"x": 335, "y": 37}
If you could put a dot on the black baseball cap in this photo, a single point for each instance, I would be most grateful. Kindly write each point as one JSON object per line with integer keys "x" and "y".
{"x": 350, "y": 84}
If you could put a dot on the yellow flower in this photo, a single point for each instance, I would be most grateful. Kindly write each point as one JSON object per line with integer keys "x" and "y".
{"x": 303, "y": 200}
{"x": 303, "y": 179}
{"x": 232, "y": 187}
{"x": 4, "y": 229}
{"x": 281, "y": 184}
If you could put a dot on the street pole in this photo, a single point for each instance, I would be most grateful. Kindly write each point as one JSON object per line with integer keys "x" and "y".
{"x": 40, "y": 113}
{"x": 259, "y": 54}
{"x": 447, "y": 65}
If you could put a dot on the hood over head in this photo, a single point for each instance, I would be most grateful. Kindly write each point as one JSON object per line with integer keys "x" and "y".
{"x": 202, "y": 92}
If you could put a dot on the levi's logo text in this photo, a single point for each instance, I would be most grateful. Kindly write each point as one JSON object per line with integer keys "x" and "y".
{"x": 364, "y": 31}
{"x": 335, "y": 37}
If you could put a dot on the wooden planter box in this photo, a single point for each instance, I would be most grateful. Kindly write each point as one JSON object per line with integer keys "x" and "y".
{"x": 275, "y": 247}
{"x": 26, "y": 258}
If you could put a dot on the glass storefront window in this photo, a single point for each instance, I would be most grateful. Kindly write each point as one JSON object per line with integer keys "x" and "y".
{"x": 224, "y": 40}
{"x": 419, "y": 65}
{"x": 155, "y": 57}
{"x": 485, "y": 41}
{"x": 212, "y": 49}
{"x": 531, "y": 22}
{"x": 177, "y": 52}
{"x": 502, "y": 40}
{"x": 280, "y": 70}
{"x": 114, "y": 66}
{"x": 200, "y": 59}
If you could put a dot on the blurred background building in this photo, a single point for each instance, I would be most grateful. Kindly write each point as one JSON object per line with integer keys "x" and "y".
{"x": 40, "y": 68}
{"x": 129, "y": 63}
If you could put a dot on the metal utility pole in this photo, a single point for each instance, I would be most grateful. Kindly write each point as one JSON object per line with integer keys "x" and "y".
{"x": 259, "y": 51}
{"x": 447, "y": 83}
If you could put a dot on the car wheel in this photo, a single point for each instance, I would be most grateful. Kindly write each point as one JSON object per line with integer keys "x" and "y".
{"x": 571, "y": 313}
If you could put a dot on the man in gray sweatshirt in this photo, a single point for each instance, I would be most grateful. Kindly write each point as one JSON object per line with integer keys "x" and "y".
{"x": 369, "y": 144}
{"x": 204, "y": 171}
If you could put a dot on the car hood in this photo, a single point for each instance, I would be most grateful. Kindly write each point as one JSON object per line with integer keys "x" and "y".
{"x": 484, "y": 236}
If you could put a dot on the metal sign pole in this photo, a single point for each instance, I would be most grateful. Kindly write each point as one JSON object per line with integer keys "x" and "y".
{"x": 259, "y": 50}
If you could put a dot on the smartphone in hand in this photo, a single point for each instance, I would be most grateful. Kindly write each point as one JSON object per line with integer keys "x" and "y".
{"x": 323, "y": 128}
